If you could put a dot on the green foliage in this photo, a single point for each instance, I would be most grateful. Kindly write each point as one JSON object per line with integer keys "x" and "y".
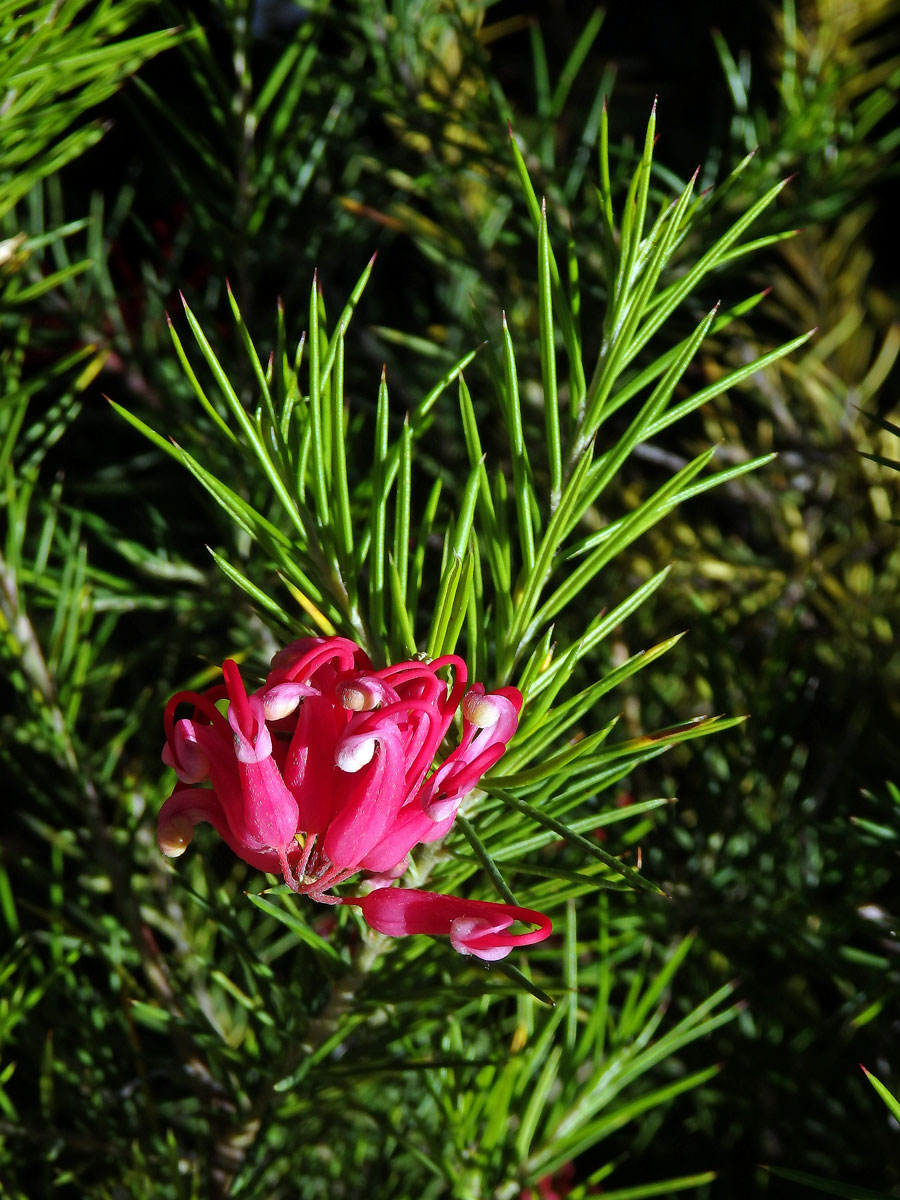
{"x": 57, "y": 61}
{"x": 295, "y": 440}
{"x": 545, "y": 504}
{"x": 511, "y": 1122}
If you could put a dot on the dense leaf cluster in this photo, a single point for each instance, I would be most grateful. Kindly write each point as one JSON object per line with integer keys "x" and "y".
{"x": 559, "y": 505}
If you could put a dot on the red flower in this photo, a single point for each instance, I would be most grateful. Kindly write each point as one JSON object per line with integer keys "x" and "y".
{"x": 327, "y": 770}
{"x": 475, "y": 926}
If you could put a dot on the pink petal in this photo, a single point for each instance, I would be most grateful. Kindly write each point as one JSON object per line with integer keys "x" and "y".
{"x": 191, "y": 741}
{"x": 302, "y": 660}
{"x": 411, "y": 827}
{"x": 309, "y": 767}
{"x": 367, "y": 800}
{"x": 188, "y": 807}
{"x": 476, "y": 927}
{"x": 472, "y": 935}
{"x": 191, "y": 747}
{"x": 480, "y": 748}
{"x": 334, "y": 749}
{"x": 268, "y": 814}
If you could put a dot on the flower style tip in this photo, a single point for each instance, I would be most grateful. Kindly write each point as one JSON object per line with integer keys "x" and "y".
{"x": 483, "y": 710}
{"x": 364, "y": 694}
{"x": 355, "y": 753}
{"x": 184, "y": 809}
{"x": 175, "y": 835}
{"x": 475, "y": 927}
{"x": 282, "y": 699}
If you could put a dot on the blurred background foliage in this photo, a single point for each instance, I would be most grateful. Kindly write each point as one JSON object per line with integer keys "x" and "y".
{"x": 256, "y": 142}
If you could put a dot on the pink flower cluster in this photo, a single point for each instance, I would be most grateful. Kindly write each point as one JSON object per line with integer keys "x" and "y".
{"x": 327, "y": 770}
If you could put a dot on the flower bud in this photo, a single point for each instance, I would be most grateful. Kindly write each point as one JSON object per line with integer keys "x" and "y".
{"x": 476, "y": 927}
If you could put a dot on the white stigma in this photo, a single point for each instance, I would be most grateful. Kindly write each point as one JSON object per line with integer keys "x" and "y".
{"x": 281, "y": 700}
{"x": 481, "y": 710}
{"x": 355, "y": 754}
{"x": 358, "y": 696}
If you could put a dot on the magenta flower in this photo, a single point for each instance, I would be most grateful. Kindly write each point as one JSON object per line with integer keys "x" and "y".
{"x": 328, "y": 769}
{"x": 475, "y": 926}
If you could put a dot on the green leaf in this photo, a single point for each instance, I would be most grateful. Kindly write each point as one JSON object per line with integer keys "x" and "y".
{"x": 341, "y": 496}
{"x": 591, "y": 848}
{"x": 323, "y": 950}
{"x": 548, "y": 361}
{"x": 522, "y": 486}
{"x": 830, "y": 1186}
{"x": 890, "y": 1100}
{"x": 256, "y": 594}
{"x": 378, "y": 516}
{"x": 248, "y": 429}
{"x": 490, "y": 867}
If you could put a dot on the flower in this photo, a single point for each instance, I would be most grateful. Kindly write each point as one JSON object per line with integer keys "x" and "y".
{"x": 475, "y": 926}
{"x": 328, "y": 769}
